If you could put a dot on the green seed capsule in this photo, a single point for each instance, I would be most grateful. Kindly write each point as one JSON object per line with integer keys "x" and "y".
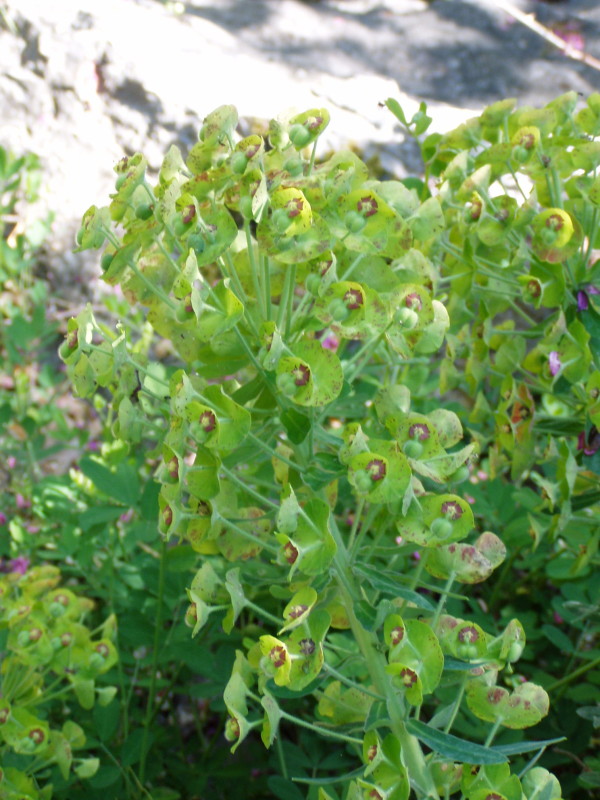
{"x": 354, "y": 221}
{"x": 441, "y": 528}
{"x": 363, "y": 481}
{"x": 313, "y": 284}
{"x": 239, "y": 162}
{"x": 338, "y": 310}
{"x": 144, "y": 211}
{"x": 106, "y": 261}
{"x": 286, "y": 384}
{"x": 412, "y": 449}
{"x": 299, "y": 136}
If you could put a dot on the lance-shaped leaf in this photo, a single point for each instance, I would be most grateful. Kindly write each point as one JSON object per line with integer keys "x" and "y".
{"x": 450, "y": 746}
{"x": 271, "y": 719}
{"x": 343, "y": 706}
{"x": 382, "y": 474}
{"x": 238, "y": 599}
{"x": 299, "y": 607}
{"x": 436, "y": 519}
{"x": 289, "y": 512}
{"x": 312, "y": 376}
{"x": 311, "y": 548}
{"x": 415, "y": 645}
{"x": 234, "y": 695}
{"x": 469, "y": 563}
{"x": 461, "y": 639}
{"x": 523, "y": 707}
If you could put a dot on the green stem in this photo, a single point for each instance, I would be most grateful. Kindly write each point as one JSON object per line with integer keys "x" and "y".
{"x": 154, "y": 667}
{"x": 261, "y": 498}
{"x": 356, "y": 522}
{"x": 351, "y": 684}
{"x": 442, "y": 600}
{"x": 254, "y": 269}
{"x": 368, "y": 644}
{"x": 574, "y": 675}
{"x": 492, "y": 734}
{"x": 457, "y": 703}
{"x": 322, "y": 731}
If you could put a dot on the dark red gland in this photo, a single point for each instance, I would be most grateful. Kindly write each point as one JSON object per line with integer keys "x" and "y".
{"x": 208, "y": 421}
{"x": 307, "y": 647}
{"x": 413, "y": 300}
{"x": 234, "y": 728}
{"x": 419, "y": 431}
{"x": 188, "y": 304}
{"x": 476, "y": 209}
{"x": 37, "y": 735}
{"x": 301, "y": 375}
{"x": 312, "y": 123}
{"x": 493, "y": 796}
{"x": 4, "y": 715}
{"x": 290, "y": 553}
{"x": 72, "y": 339}
{"x": 495, "y": 695}
{"x": 397, "y": 634}
{"x": 468, "y": 634}
{"x": 452, "y": 510}
{"x": 375, "y": 794}
{"x": 188, "y": 213}
{"x": 409, "y": 677}
{"x": 555, "y": 222}
{"x": 372, "y": 752}
{"x": 35, "y": 635}
{"x": 353, "y": 299}
{"x": 66, "y": 639}
{"x": 278, "y": 656}
{"x": 325, "y": 267}
{"x": 167, "y": 516}
{"x": 297, "y": 611}
{"x": 377, "y": 469}
{"x": 62, "y": 599}
{"x": 252, "y": 150}
{"x": 294, "y": 207}
{"x": 367, "y": 206}
{"x": 527, "y": 141}
{"x": 102, "y": 649}
{"x": 173, "y": 469}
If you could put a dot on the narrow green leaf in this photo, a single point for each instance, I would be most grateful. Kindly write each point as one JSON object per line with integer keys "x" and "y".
{"x": 452, "y": 747}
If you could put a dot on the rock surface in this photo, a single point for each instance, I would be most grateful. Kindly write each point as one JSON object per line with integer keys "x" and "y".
{"x": 82, "y": 82}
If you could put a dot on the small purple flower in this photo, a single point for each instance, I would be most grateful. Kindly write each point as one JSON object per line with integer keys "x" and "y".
{"x": 582, "y": 301}
{"x": 590, "y": 445}
{"x": 11, "y": 462}
{"x": 592, "y": 289}
{"x": 93, "y": 445}
{"x": 19, "y": 565}
{"x": 3, "y": 518}
{"x": 331, "y": 342}
{"x": 554, "y": 363}
{"x": 22, "y": 502}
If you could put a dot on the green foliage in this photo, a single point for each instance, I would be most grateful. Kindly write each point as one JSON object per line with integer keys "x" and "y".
{"x": 50, "y": 659}
{"x": 301, "y": 454}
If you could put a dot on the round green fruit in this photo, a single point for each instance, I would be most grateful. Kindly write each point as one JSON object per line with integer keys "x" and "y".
{"x": 441, "y": 528}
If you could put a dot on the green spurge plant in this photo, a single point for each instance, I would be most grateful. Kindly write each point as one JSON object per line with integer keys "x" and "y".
{"x": 48, "y": 654}
{"x": 291, "y": 299}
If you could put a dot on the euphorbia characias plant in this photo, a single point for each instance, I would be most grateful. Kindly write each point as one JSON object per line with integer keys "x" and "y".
{"x": 290, "y": 296}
